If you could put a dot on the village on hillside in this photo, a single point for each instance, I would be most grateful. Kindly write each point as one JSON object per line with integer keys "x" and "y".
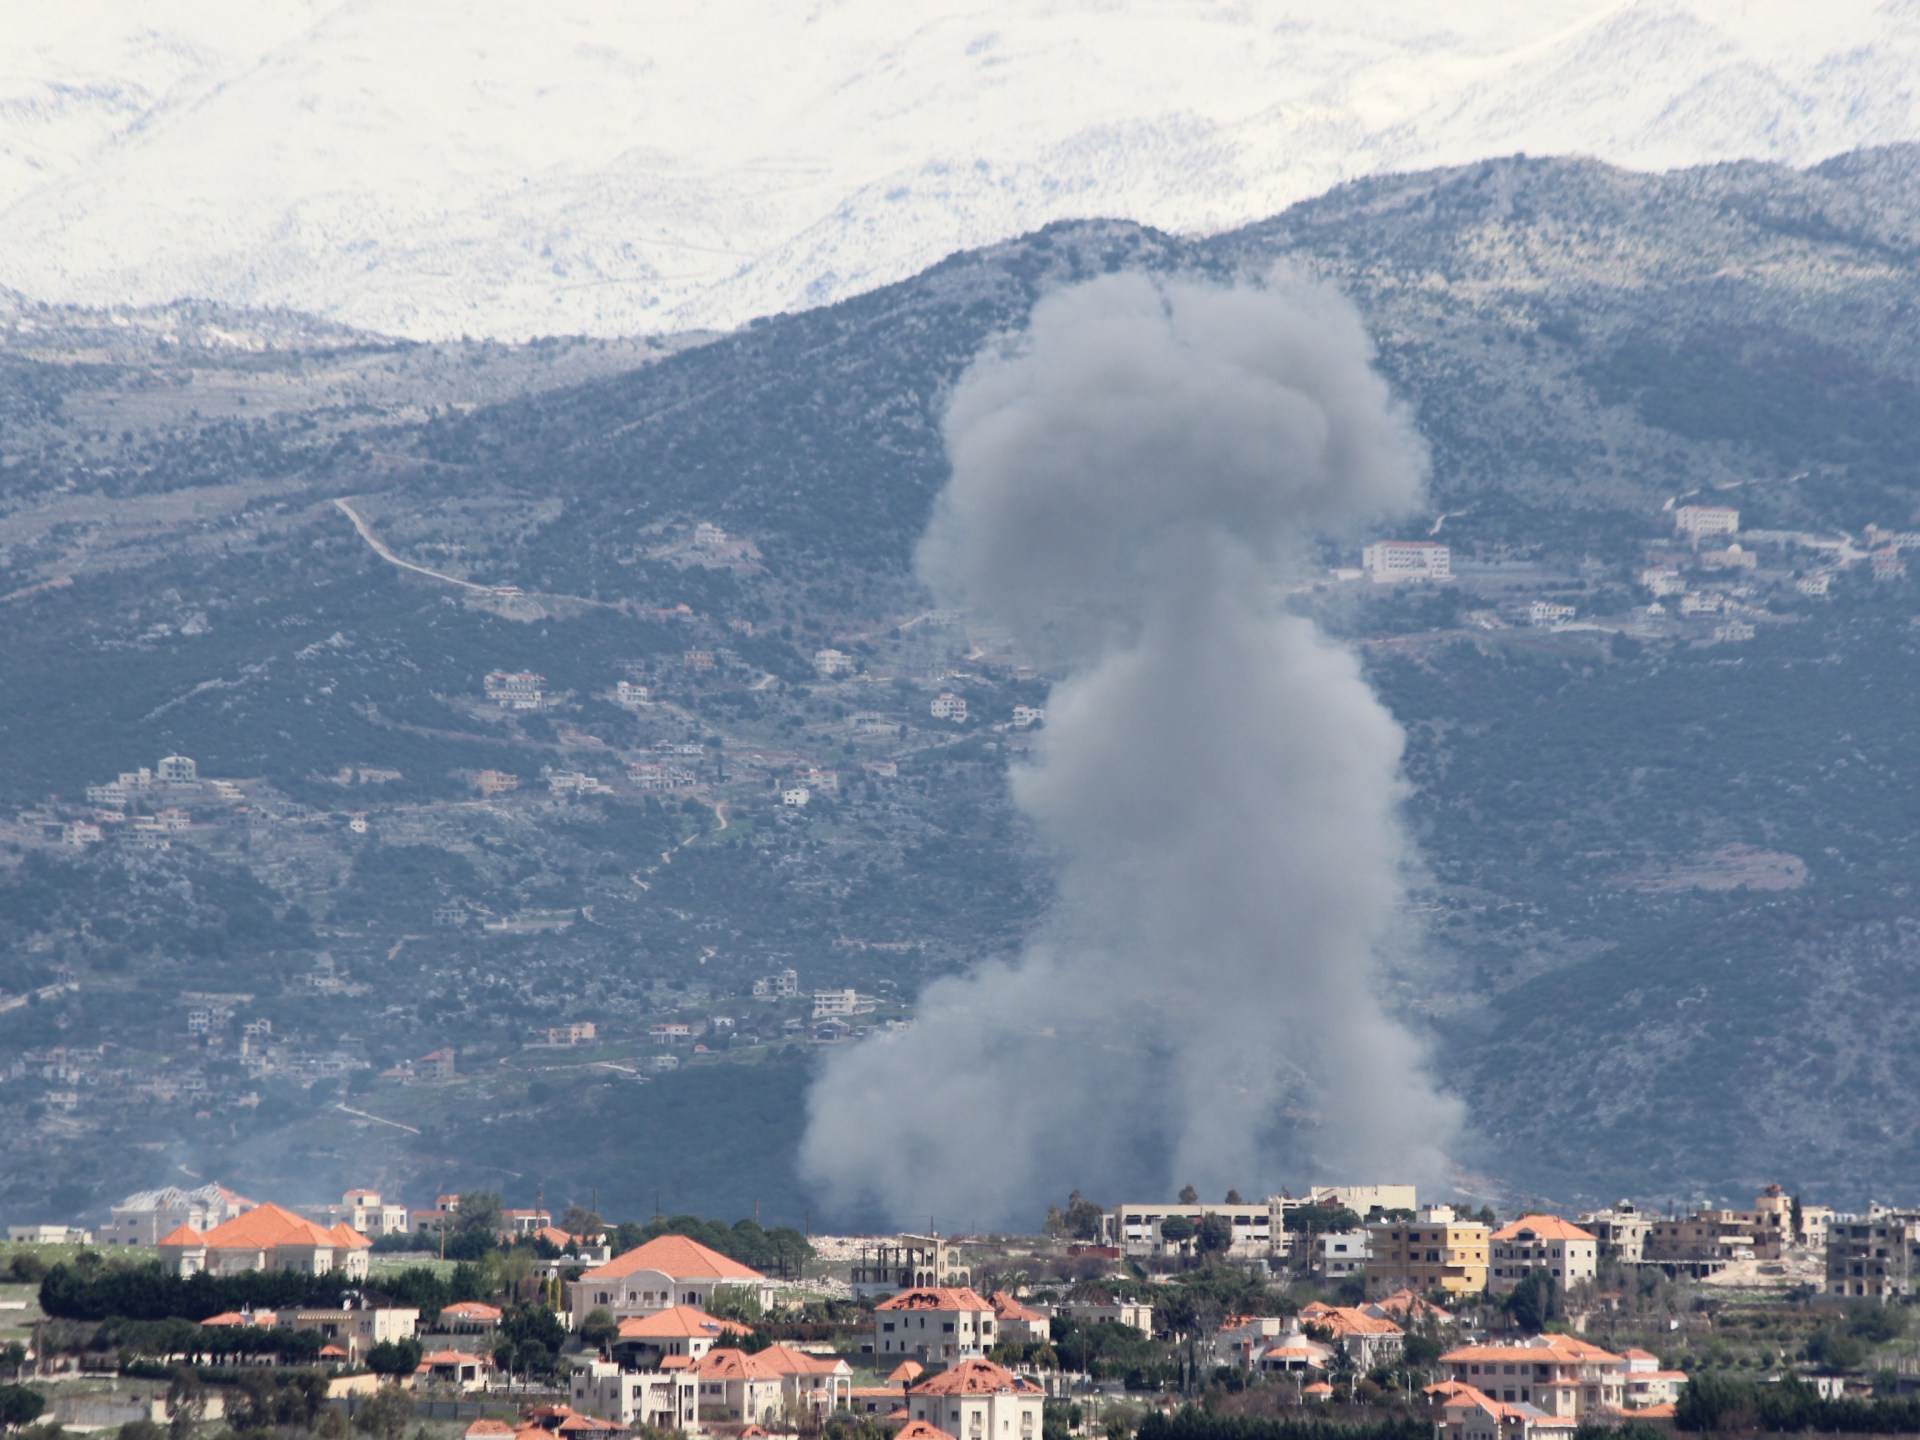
{"x": 205, "y": 1311}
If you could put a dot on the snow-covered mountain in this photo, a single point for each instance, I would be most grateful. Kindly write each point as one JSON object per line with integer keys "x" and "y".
{"x": 439, "y": 167}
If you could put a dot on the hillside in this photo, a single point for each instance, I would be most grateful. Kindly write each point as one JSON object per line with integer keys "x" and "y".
{"x": 1664, "y": 909}
{"x": 580, "y": 171}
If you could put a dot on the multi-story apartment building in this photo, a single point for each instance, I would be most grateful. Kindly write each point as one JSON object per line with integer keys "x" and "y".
{"x": 1435, "y": 1250}
{"x": 1700, "y": 522}
{"x": 1875, "y": 1256}
{"x": 1621, "y": 1231}
{"x": 1546, "y": 1243}
{"x": 1391, "y": 560}
{"x": 1135, "y": 1228}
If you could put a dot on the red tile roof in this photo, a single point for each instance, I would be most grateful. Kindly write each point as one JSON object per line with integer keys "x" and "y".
{"x": 1008, "y": 1308}
{"x": 470, "y": 1310}
{"x": 678, "y": 1322}
{"x": 772, "y": 1363}
{"x": 906, "y": 1372}
{"x": 488, "y": 1429}
{"x": 921, "y": 1430}
{"x": 975, "y": 1377}
{"x": 268, "y": 1227}
{"x": 956, "y": 1297}
{"x": 1544, "y": 1227}
{"x": 676, "y": 1257}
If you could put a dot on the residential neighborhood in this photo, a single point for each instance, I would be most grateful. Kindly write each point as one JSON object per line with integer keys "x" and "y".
{"x": 1456, "y": 1320}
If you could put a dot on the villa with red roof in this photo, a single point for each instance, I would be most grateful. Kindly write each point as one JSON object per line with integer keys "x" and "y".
{"x": 267, "y": 1238}
{"x": 978, "y": 1400}
{"x": 1467, "y": 1413}
{"x": 933, "y": 1324}
{"x": 1368, "y": 1339}
{"x": 1560, "y": 1375}
{"x": 742, "y": 1388}
{"x": 1020, "y": 1324}
{"x": 685, "y": 1330}
{"x": 1540, "y": 1242}
{"x": 668, "y": 1270}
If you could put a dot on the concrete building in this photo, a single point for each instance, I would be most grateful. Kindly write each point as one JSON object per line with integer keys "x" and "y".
{"x": 1560, "y": 1375}
{"x": 1135, "y": 1228}
{"x": 176, "y": 770}
{"x": 905, "y": 1263}
{"x": 1435, "y": 1250}
{"x": 1339, "y": 1256}
{"x": 355, "y": 1330}
{"x": 1701, "y": 522}
{"x": 1875, "y": 1256}
{"x": 147, "y": 1216}
{"x": 1388, "y": 561}
{"x": 515, "y": 690}
{"x": 1020, "y": 1324}
{"x": 683, "y": 1332}
{"x": 657, "y": 1399}
{"x": 1561, "y": 1249}
{"x": 948, "y": 706}
{"x": 1620, "y": 1231}
{"x": 936, "y": 1325}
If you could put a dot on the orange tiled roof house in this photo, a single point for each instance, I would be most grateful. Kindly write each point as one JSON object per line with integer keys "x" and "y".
{"x": 668, "y": 1270}
{"x": 267, "y": 1238}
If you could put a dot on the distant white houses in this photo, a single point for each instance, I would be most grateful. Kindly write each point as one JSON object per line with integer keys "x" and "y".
{"x": 80, "y": 834}
{"x": 829, "y": 662}
{"x": 1887, "y": 564}
{"x": 815, "y": 778}
{"x": 796, "y": 797}
{"x": 784, "y": 985}
{"x": 657, "y": 775}
{"x": 1544, "y": 614}
{"x": 839, "y": 1002}
{"x": 574, "y": 782}
{"x": 515, "y": 689}
{"x": 1706, "y": 603}
{"x": 177, "y": 770}
{"x": 1026, "y": 715}
{"x": 1815, "y": 585}
{"x": 1698, "y": 522}
{"x": 1388, "y": 561}
{"x": 1733, "y": 630}
{"x": 630, "y": 696}
{"x": 1663, "y": 580}
{"x": 949, "y": 706}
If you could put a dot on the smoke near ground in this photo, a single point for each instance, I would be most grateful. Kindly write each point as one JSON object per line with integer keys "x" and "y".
{"x": 1134, "y": 479}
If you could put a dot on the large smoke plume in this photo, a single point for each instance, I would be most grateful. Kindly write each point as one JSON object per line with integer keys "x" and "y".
{"x": 1134, "y": 479}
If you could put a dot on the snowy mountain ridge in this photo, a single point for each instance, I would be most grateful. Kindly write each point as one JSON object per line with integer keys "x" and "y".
{"x": 487, "y": 167}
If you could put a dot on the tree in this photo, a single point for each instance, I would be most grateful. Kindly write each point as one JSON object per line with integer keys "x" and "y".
{"x": 395, "y": 1357}
{"x": 599, "y": 1327}
{"x": 1213, "y": 1235}
{"x": 1189, "y": 1195}
{"x": 1233, "y": 1198}
{"x": 385, "y": 1414}
{"x": 186, "y": 1403}
{"x": 19, "y": 1406}
{"x": 1532, "y": 1302}
{"x": 1320, "y": 1220}
{"x": 1177, "y": 1229}
{"x": 578, "y": 1220}
{"x": 478, "y": 1214}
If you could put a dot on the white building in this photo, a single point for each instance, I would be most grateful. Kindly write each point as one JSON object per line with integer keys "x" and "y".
{"x": 1336, "y": 1257}
{"x": 1387, "y": 561}
{"x": 668, "y": 1270}
{"x": 1135, "y": 1228}
{"x": 659, "y": 1399}
{"x": 1700, "y": 521}
{"x": 1544, "y": 614}
{"x": 1026, "y": 715}
{"x": 783, "y": 986}
{"x": 516, "y": 689}
{"x": 144, "y": 1217}
{"x": 828, "y": 662}
{"x": 1733, "y": 631}
{"x": 978, "y": 1400}
{"x": 1540, "y": 1242}
{"x": 1815, "y": 585}
{"x": 836, "y": 1002}
{"x": 796, "y": 797}
{"x": 1663, "y": 580}
{"x": 631, "y": 696}
{"x": 949, "y": 706}
{"x": 177, "y": 770}
{"x": 934, "y": 1325}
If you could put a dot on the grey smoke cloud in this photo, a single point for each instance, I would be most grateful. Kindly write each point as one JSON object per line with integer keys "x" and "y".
{"x": 1133, "y": 478}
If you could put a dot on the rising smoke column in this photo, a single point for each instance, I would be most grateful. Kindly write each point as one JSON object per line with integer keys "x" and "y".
{"x": 1133, "y": 479}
